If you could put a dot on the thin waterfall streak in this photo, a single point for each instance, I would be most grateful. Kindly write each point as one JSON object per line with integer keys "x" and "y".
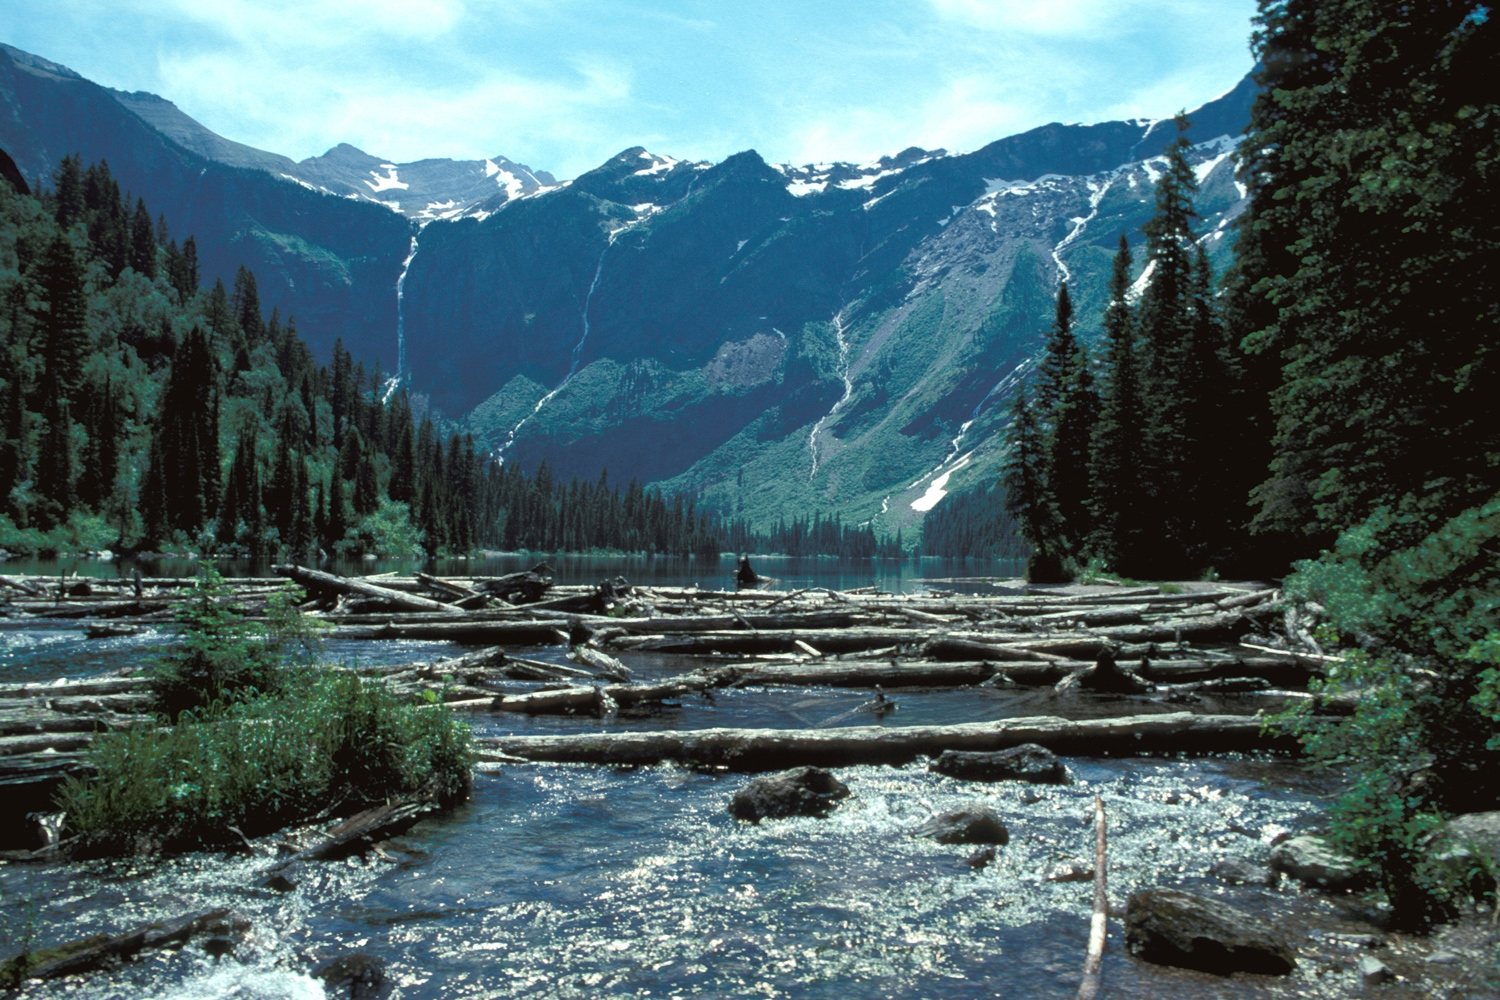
{"x": 843, "y": 345}
{"x": 499, "y": 454}
{"x": 399, "y": 379}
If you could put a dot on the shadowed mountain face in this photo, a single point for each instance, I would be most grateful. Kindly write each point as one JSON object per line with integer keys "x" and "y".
{"x": 776, "y": 339}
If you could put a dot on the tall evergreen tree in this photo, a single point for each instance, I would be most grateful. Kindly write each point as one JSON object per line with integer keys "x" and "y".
{"x": 143, "y": 241}
{"x": 54, "y": 468}
{"x": 64, "y": 324}
{"x": 1067, "y": 410}
{"x": 1028, "y": 495}
{"x": 1118, "y": 497}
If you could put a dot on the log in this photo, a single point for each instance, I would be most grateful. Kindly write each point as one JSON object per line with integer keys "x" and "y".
{"x": 22, "y": 584}
{"x": 480, "y": 633}
{"x": 91, "y": 953}
{"x": 70, "y": 688}
{"x": 782, "y": 641}
{"x": 774, "y": 749}
{"x": 329, "y": 583}
{"x": 856, "y": 674}
{"x": 452, "y": 591}
{"x": 1099, "y": 919}
{"x": 599, "y": 701}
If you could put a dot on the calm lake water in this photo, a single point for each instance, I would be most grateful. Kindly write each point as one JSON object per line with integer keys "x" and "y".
{"x": 576, "y": 881}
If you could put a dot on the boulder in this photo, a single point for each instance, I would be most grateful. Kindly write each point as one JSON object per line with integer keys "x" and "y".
{"x": 357, "y": 976}
{"x": 1107, "y": 677}
{"x": 1238, "y": 871}
{"x": 1171, "y": 927}
{"x": 1312, "y": 862}
{"x": 802, "y": 791}
{"x": 1468, "y": 847}
{"x": 974, "y": 824}
{"x": 1027, "y": 762}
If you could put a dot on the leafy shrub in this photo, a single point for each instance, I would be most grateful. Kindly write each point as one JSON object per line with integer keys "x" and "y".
{"x": 1425, "y": 664}
{"x": 330, "y": 743}
{"x": 225, "y": 656}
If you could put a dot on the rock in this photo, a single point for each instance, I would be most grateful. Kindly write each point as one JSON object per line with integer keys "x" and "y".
{"x": 1238, "y": 871}
{"x": 1312, "y": 862}
{"x": 357, "y": 975}
{"x": 1468, "y": 846}
{"x": 1442, "y": 957}
{"x": 1071, "y": 873}
{"x": 1027, "y": 762}
{"x": 975, "y": 824}
{"x": 981, "y": 858}
{"x": 1171, "y": 927}
{"x": 1373, "y": 971}
{"x": 802, "y": 791}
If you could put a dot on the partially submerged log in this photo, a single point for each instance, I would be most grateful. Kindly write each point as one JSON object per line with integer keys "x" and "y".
{"x": 317, "y": 580}
{"x": 772, "y": 749}
{"x": 91, "y": 953}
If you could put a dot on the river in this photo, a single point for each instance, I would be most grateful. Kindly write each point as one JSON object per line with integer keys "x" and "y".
{"x": 579, "y": 881}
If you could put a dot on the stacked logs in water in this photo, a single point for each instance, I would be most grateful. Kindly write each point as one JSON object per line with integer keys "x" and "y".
{"x": 1138, "y": 641}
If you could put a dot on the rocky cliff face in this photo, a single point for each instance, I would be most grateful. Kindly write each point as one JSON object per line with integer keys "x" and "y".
{"x": 776, "y": 339}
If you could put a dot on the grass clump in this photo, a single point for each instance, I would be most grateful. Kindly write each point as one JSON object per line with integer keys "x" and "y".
{"x": 255, "y": 743}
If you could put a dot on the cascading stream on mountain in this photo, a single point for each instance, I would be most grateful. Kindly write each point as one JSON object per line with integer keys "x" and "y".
{"x": 1080, "y": 223}
{"x": 572, "y": 364}
{"x": 397, "y": 380}
{"x": 843, "y": 345}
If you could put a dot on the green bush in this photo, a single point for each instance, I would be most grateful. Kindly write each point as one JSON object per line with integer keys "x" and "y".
{"x": 330, "y": 743}
{"x": 1424, "y": 663}
{"x": 225, "y": 656}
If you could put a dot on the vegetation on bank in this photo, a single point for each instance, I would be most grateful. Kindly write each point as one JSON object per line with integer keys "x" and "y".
{"x": 257, "y": 737}
{"x": 1347, "y": 365}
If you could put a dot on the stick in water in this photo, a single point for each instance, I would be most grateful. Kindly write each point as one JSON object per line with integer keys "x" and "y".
{"x": 1099, "y": 923}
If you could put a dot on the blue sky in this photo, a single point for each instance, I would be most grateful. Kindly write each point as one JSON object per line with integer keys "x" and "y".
{"x": 562, "y": 85}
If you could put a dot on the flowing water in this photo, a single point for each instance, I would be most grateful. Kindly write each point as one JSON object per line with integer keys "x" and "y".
{"x": 579, "y": 881}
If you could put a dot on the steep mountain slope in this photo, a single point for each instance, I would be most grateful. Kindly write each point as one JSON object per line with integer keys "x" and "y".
{"x": 329, "y": 261}
{"x": 777, "y": 339}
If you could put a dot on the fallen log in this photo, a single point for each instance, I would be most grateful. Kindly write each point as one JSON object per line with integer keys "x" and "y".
{"x": 1099, "y": 919}
{"x": 856, "y": 673}
{"x": 91, "y": 953}
{"x": 479, "y": 633}
{"x": 774, "y": 749}
{"x": 599, "y": 701}
{"x": 317, "y": 580}
{"x": 847, "y": 640}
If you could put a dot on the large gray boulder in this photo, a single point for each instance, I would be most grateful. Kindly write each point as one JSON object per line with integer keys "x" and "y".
{"x": 973, "y": 824}
{"x": 1171, "y": 927}
{"x": 1027, "y": 762}
{"x": 802, "y": 791}
{"x": 1312, "y": 862}
{"x": 1468, "y": 847}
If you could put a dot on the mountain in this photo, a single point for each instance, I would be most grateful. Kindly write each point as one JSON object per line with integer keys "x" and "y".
{"x": 775, "y": 339}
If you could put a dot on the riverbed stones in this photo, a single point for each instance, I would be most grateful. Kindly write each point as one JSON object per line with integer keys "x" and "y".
{"x": 1029, "y": 762}
{"x": 972, "y": 824}
{"x": 1311, "y": 861}
{"x": 1172, "y": 927}
{"x": 802, "y": 791}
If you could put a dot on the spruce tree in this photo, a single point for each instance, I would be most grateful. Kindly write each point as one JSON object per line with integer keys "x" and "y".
{"x": 142, "y": 241}
{"x": 1028, "y": 495}
{"x": 54, "y": 468}
{"x": 64, "y": 323}
{"x": 1067, "y": 410}
{"x": 1118, "y": 497}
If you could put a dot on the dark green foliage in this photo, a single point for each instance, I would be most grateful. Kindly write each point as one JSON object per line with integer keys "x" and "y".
{"x": 1119, "y": 499}
{"x": 1028, "y": 499}
{"x": 332, "y": 743}
{"x": 1067, "y": 410}
{"x": 1365, "y": 290}
{"x": 223, "y": 656}
{"x": 63, "y": 325}
{"x": 187, "y": 429}
{"x": 1369, "y": 248}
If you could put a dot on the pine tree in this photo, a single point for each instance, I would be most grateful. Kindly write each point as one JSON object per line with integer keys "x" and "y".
{"x": 1028, "y": 495}
{"x": 1118, "y": 498}
{"x": 143, "y": 241}
{"x": 1166, "y": 321}
{"x": 67, "y": 183}
{"x": 67, "y": 341}
{"x": 54, "y": 468}
{"x": 1066, "y": 411}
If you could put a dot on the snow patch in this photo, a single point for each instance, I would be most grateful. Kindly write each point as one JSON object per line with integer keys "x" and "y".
{"x": 659, "y": 165}
{"x": 388, "y": 182}
{"x": 801, "y": 188}
{"x": 1202, "y": 170}
{"x": 939, "y": 487}
{"x": 1138, "y": 288}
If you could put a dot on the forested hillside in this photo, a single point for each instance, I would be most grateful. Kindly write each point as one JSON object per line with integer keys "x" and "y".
{"x": 144, "y": 412}
{"x": 1337, "y": 394}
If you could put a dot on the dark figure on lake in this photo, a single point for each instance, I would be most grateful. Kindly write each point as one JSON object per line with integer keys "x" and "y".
{"x": 745, "y": 576}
